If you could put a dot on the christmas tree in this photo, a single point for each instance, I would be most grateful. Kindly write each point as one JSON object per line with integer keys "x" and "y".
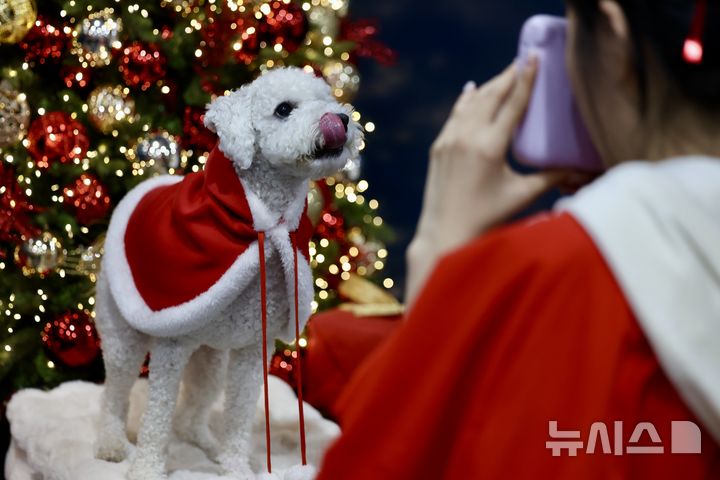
{"x": 96, "y": 96}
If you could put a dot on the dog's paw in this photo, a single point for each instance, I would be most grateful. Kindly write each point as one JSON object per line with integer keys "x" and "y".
{"x": 111, "y": 448}
{"x": 300, "y": 472}
{"x": 146, "y": 468}
{"x": 236, "y": 466}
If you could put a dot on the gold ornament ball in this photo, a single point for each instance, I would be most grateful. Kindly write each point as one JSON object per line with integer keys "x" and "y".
{"x": 158, "y": 152}
{"x": 89, "y": 261}
{"x": 325, "y": 20}
{"x": 16, "y": 18}
{"x": 343, "y": 78}
{"x": 40, "y": 255}
{"x": 109, "y": 107}
{"x": 97, "y": 36}
{"x": 340, "y": 7}
{"x": 14, "y": 115}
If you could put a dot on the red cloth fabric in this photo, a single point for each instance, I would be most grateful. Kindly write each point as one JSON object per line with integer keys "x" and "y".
{"x": 523, "y": 326}
{"x": 182, "y": 238}
{"x": 338, "y": 343}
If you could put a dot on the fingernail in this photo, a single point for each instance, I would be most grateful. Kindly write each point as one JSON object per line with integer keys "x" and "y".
{"x": 469, "y": 86}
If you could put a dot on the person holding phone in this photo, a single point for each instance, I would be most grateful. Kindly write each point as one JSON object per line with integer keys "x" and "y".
{"x": 596, "y": 325}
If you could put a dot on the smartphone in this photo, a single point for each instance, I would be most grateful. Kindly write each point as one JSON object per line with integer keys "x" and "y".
{"x": 552, "y": 134}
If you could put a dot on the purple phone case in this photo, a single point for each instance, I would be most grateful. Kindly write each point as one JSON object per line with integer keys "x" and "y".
{"x": 552, "y": 134}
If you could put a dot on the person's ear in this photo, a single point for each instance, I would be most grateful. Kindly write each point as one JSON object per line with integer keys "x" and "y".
{"x": 230, "y": 116}
{"x": 615, "y": 18}
{"x": 616, "y": 43}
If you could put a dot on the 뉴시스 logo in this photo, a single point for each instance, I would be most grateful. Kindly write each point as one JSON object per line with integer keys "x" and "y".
{"x": 684, "y": 438}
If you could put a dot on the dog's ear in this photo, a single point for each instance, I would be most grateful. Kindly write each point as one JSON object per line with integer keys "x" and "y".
{"x": 230, "y": 116}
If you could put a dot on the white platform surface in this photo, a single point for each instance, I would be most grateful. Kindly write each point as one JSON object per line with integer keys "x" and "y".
{"x": 53, "y": 434}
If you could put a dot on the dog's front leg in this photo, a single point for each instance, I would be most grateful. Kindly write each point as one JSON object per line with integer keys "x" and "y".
{"x": 168, "y": 359}
{"x": 244, "y": 378}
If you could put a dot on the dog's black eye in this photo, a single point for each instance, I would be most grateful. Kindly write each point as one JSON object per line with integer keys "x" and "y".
{"x": 284, "y": 109}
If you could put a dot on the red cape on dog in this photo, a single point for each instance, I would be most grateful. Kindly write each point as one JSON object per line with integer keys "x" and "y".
{"x": 178, "y": 247}
{"x": 182, "y": 238}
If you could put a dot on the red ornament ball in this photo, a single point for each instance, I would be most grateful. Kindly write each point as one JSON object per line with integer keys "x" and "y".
{"x": 285, "y": 24}
{"x": 141, "y": 65}
{"x": 56, "y": 137}
{"x": 195, "y": 135}
{"x": 45, "y": 42}
{"x": 15, "y": 209}
{"x": 247, "y": 45}
{"x": 87, "y": 198}
{"x": 76, "y": 76}
{"x": 72, "y": 339}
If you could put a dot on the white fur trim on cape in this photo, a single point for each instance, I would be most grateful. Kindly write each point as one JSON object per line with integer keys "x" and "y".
{"x": 658, "y": 228}
{"x": 194, "y": 314}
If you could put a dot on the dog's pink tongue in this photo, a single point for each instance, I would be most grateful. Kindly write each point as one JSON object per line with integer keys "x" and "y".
{"x": 333, "y": 131}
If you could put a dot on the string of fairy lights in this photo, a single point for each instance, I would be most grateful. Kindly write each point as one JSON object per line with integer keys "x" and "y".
{"x": 111, "y": 111}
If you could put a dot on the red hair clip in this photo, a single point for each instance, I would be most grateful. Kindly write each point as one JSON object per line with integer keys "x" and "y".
{"x": 693, "y": 47}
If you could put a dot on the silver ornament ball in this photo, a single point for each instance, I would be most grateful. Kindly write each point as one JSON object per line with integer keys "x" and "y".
{"x": 14, "y": 116}
{"x": 40, "y": 255}
{"x": 159, "y": 152}
{"x": 97, "y": 36}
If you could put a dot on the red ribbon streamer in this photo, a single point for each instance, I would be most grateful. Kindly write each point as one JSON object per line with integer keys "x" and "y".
{"x": 263, "y": 300}
{"x": 301, "y": 412}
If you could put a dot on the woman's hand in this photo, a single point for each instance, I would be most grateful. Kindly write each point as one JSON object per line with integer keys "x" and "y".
{"x": 470, "y": 186}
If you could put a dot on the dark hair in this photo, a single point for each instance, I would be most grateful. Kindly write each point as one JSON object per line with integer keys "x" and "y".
{"x": 663, "y": 26}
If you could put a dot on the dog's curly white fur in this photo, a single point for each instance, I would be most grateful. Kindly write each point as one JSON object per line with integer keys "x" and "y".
{"x": 274, "y": 156}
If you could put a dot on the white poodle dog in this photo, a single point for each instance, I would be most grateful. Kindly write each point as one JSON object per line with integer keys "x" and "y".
{"x": 278, "y": 132}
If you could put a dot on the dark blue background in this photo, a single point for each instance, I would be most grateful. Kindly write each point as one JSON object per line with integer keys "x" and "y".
{"x": 440, "y": 45}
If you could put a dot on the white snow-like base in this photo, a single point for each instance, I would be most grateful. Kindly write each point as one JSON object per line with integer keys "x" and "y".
{"x": 53, "y": 434}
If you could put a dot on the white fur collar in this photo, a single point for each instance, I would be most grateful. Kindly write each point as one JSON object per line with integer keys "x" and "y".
{"x": 264, "y": 219}
{"x": 658, "y": 228}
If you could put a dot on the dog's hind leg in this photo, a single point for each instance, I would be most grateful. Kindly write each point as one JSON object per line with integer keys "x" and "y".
{"x": 167, "y": 362}
{"x": 202, "y": 383}
{"x": 124, "y": 351}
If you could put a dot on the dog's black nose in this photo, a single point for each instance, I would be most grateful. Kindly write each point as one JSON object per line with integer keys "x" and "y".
{"x": 345, "y": 119}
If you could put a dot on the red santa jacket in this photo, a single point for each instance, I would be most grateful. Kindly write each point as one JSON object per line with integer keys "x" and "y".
{"x": 523, "y": 327}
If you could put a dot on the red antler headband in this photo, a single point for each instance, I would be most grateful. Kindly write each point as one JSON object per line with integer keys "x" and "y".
{"x": 693, "y": 47}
